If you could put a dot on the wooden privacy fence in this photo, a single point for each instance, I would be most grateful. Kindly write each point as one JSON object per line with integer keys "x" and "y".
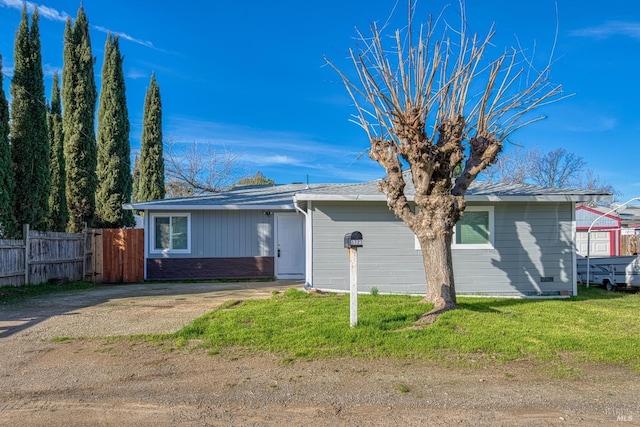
{"x": 118, "y": 255}
{"x": 42, "y": 256}
{"x": 629, "y": 244}
{"x": 109, "y": 255}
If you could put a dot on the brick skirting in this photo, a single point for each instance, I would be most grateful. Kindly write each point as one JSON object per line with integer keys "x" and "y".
{"x": 210, "y": 268}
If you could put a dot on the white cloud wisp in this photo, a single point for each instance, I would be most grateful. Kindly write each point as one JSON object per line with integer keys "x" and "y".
{"x": 44, "y": 11}
{"x": 283, "y": 155}
{"x": 125, "y": 36}
{"x": 610, "y": 29}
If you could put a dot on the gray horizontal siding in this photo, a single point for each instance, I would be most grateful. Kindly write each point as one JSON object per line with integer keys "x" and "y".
{"x": 531, "y": 240}
{"x": 388, "y": 259}
{"x": 230, "y": 233}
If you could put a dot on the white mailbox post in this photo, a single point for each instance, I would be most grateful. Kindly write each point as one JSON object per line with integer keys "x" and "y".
{"x": 353, "y": 241}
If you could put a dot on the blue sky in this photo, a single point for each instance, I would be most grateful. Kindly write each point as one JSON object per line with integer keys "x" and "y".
{"x": 249, "y": 76}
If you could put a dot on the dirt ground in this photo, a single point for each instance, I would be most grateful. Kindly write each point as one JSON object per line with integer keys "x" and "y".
{"x": 87, "y": 379}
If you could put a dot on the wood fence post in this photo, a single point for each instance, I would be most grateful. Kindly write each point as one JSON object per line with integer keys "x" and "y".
{"x": 27, "y": 251}
{"x": 85, "y": 238}
{"x": 97, "y": 254}
{"x": 84, "y": 252}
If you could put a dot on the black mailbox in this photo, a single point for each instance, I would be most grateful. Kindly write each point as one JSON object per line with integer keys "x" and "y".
{"x": 353, "y": 240}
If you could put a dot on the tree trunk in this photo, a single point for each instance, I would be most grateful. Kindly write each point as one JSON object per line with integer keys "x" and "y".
{"x": 438, "y": 266}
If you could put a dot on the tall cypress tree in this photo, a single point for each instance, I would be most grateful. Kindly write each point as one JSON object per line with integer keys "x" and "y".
{"x": 7, "y": 221}
{"x": 114, "y": 163}
{"x": 29, "y": 135}
{"x": 136, "y": 179}
{"x": 79, "y": 103}
{"x": 151, "y": 185}
{"x": 58, "y": 215}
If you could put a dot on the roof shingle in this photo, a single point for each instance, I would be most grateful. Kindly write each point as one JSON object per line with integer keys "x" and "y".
{"x": 281, "y": 197}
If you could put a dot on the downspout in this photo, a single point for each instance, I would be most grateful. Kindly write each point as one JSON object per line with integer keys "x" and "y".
{"x": 308, "y": 247}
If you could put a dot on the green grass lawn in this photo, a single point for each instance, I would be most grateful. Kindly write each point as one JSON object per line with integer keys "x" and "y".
{"x": 595, "y": 326}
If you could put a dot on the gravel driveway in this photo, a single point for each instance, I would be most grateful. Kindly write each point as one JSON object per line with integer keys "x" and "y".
{"x": 124, "y": 309}
{"x": 88, "y": 380}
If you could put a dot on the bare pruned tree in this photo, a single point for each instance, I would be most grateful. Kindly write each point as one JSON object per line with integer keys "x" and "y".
{"x": 590, "y": 180}
{"x": 513, "y": 168}
{"x": 436, "y": 102}
{"x": 556, "y": 168}
{"x": 175, "y": 189}
{"x": 199, "y": 168}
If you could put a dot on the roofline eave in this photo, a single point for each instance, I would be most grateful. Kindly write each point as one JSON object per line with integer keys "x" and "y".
{"x": 470, "y": 198}
{"x": 187, "y": 207}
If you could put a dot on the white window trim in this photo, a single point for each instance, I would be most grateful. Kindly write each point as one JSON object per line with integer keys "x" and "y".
{"x": 491, "y": 230}
{"x": 454, "y": 245}
{"x": 152, "y": 227}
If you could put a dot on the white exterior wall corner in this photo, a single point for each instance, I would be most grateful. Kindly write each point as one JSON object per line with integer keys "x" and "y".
{"x": 309, "y": 246}
{"x": 146, "y": 235}
{"x": 575, "y": 254}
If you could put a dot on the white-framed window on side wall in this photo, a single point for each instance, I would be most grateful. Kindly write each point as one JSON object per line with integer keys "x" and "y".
{"x": 474, "y": 230}
{"x": 171, "y": 233}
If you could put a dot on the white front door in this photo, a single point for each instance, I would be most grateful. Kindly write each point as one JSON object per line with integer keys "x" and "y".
{"x": 289, "y": 246}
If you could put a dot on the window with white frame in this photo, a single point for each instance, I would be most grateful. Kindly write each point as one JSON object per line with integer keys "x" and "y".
{"x": 170, "y": 232}
{"x": 474, "y": 230}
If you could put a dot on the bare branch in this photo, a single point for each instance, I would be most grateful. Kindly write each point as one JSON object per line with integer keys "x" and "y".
{"x": 200, "y": 167}
{"x": 440, "y": 105}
